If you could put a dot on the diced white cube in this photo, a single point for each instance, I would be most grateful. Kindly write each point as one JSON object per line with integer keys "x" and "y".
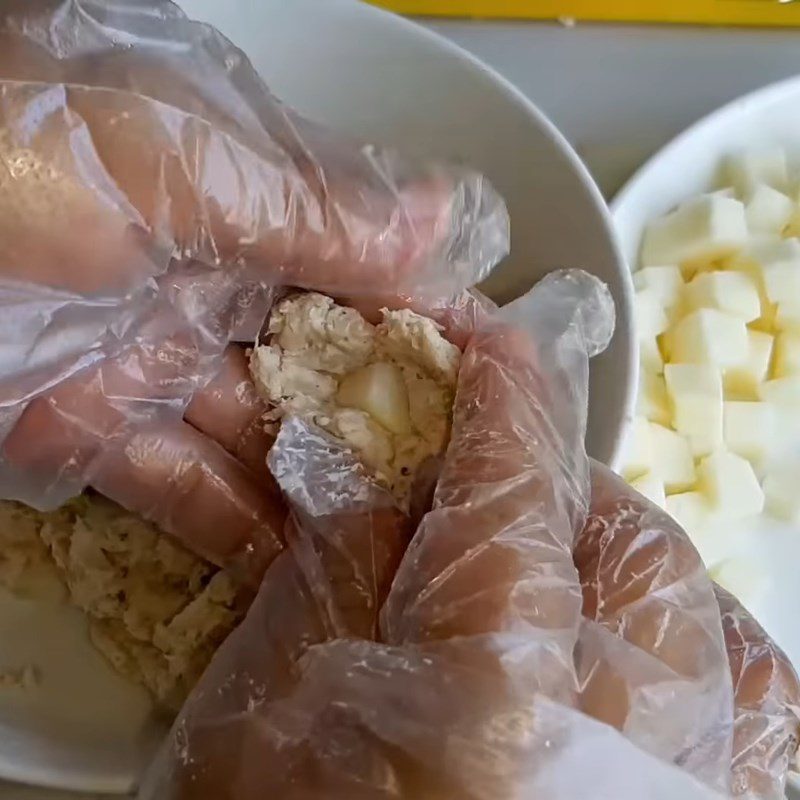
{"x": 785, "y": 445}
{"x": 782, "y": 490}
{"x": 782, "y": 391}
{"x": 776, "y": 264}
{"x": 787, "y": 315}
{"x": 730, "y": 485}
{"x": 787, "y": 355}
{"x": 740, "y": 577}
{"x": 749, "y": 263}
{"x": 650, "y": 356}
{"x": 691, "y": 511}
{"x": 701, "y": 231}
{"x": 379, "y": 390}
{"x": 651, "y": 487}
{"x": 768, "y": 210}
{"x": 695, "y": 392}
{"x": 745, "y": 171}
{"x": 782, "y": 282}
{"x": 709, "y": 336}
{"x": 637, "y": 459}
{"x": 733, "y": 292}
{"x": 649, "y": 314}
{"x": 666, "y": 282}
{"x": 652, "y": 401}
{"x": 742, "y": 382}
{"x": 672, "y": 458}
{"x": 769, "y": 250}
{"x": 750, "y": 430}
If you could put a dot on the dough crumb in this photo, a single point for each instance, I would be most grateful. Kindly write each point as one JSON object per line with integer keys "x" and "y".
{"x": 156, "y": 611}
{"x": 26, "y": 566}
{"x": 24, "y": 678}
{"x": 313, "y": 345}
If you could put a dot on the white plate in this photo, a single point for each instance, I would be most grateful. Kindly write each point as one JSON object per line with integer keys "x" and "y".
{"x": 686, "y": 167}
{"x": 364, "y": 71}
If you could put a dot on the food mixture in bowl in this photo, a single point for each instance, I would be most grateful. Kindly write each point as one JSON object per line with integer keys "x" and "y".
{"x": 158, "y": 612}
{"x": 386, "y": 390}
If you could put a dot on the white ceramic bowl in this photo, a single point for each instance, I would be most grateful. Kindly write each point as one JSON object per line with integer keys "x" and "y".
{"x": 389, "y": 80}
{"x": 686, "y": 167}
{"x": 689, "y": 164}
{"x": 368, "y": 72}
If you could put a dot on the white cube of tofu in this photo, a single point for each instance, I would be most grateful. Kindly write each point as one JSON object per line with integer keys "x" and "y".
{"x": 776, "y": 265}
{"x": 740, "y": 577}
{"x": 695, "y": 392}
{"x": 651, "y": 487}
{"x": 637, "y": 459}
{"x": 709, "y": 336}
{"x": 666, "y": 282}
{"x": 782, "y": 282}
{"x": 782, "y": 391}
{"x": 672, "y": 458}
{"x": 699, "y": 232}
{"x": 652, "y": 401}
{"x": 742, "y": 382}
{"x": 650, "y": 356}
{"x": 769, "y": 250}
{"x": 747, "y": 170}
{"x": 749, "y": 430}
{"x": 768, "y": 210}
{"x": 380, "y": 391}
{"x": 787, "y": 315}
{"x": 733, "y": 292}
{"x": 649, "y": 314}
{"x": 749, "y": 262}
{"x": 691, "y": 511}
{"x": 782, "y": 492}
{"x": 787, "y": 355}
{"x": 730, "y": 485}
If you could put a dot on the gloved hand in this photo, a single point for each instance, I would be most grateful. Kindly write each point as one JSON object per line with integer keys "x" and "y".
{"x": 545, "y": 632}
{"x": 152, "y": 191}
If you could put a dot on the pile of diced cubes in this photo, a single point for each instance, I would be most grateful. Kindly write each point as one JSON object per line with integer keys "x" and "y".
{"x": 717, "y": 305}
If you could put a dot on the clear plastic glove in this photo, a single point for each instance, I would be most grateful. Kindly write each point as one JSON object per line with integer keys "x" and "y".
{"x": 547, "y": 633}
{"x": 151, "y": 191}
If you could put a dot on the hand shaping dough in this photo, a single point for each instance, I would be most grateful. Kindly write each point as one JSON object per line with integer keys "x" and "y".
{"x": 385, "y": 391}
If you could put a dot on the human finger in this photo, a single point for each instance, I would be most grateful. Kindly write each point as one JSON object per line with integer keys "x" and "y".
{"x": 145, "y": 179}
{"x": 652, "y": 658}
{"x": 189, "y": 486}
{"x": 766, "y": 705}
{"x": 514, "y": 487}
{"x": 105, "y": 428}
{"x": 229, "y": 410}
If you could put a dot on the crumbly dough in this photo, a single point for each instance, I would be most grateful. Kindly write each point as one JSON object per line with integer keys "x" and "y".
{"x": 22, "y": 678}
{"x": 313, "y": 343}
{"x": 156, "y": 611}
{"x": 26, "y": 566}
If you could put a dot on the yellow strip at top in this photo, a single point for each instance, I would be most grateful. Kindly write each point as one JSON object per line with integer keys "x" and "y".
{"x": 706, "y": 12}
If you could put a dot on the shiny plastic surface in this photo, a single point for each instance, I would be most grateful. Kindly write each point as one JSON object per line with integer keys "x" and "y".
{"x": 151, "y": 191}
{"x": 546, "y": 634}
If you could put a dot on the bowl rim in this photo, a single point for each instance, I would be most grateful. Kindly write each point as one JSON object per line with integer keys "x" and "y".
{"x": 720, "y": 115}
{"x": 725, "y": 114}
